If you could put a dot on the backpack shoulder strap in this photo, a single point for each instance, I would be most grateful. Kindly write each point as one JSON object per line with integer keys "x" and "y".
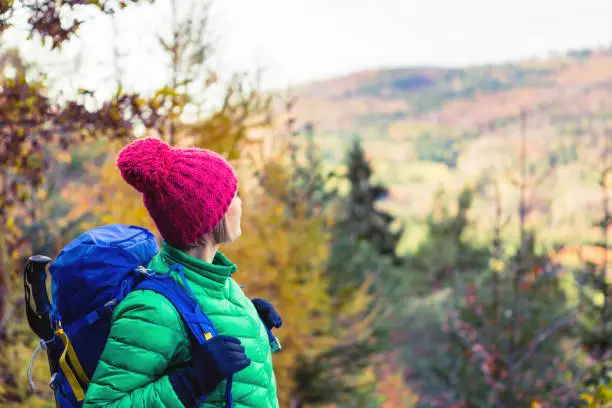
{"x": 188, "y": 308}
{"x": 185, "y": 303}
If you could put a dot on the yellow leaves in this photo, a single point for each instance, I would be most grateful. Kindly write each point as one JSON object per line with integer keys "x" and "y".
{"x": 589, "y": 399}
{"x": 597, "y": 299}
{"x": 497, "y": 265}
{"x": 120, "y": 202}
{"x": 63, "y": 156}
{"x": 107, "y": 219}
{"x": 41, "y": 194}
{"x": 12, "y": 358}
{"x": 62, "y": 223}
{"x": 111, "y": 198}
{"x": 600, "y": 398}
{"x": 34, "y": 161}
{"x": 10, "y": 223}
{"x": 10, "y": 235}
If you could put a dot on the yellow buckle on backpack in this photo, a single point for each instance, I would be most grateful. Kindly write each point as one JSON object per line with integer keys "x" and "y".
{"x": 71, "y": 375}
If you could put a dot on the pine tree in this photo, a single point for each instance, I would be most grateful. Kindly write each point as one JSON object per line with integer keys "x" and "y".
{"x": 284, "y": 249}
{"x": 446, "y": 250}
{"x": 499, "y": 348}
{"x": 362, "y": 219}
{"x": 365, "y": 238}
{"x": 363, "y": 249}
{"x": 506, "y": 327}
{"x": 595, "y": 302}
{"x": 506, "y": 351}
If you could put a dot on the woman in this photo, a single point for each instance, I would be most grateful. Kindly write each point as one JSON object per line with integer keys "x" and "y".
{"x": 149, "y": 360}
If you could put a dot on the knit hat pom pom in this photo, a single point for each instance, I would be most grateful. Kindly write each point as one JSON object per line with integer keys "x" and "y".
{"x": 144, "y": 163}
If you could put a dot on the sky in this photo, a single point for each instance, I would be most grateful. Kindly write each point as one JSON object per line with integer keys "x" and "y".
{"x": 297, "y": 41}
{"x": 301, "y": 40}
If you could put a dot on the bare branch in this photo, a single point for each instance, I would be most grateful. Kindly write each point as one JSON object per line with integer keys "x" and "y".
{"x": 561, "y": 323}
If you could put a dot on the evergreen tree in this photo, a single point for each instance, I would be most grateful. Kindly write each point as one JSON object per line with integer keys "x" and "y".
{"x": 595, "y": 303}
{"x": 364, "y": 238}
{"x": 503, "y": 348}
{"x": 362, "y": 219}
{"x": 364, "y": 245}
{"x": 445, "y": 249}
{"x": 328, "y": 337}
{"x": 506, "y": 328}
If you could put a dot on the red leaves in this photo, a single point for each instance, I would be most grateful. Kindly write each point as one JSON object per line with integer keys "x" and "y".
{"x": 471, "y": 295}
{"x": 30, "y": 122}
{"x": 46, "y": 21}
{"x": 46, "y": 16}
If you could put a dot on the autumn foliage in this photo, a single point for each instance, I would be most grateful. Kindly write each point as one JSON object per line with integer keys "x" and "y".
{"x": 467, "y": 317}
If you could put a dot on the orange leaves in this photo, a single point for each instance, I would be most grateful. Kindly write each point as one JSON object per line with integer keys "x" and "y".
{"x": 394, "y": 390}
{"x": 116, "y": 200}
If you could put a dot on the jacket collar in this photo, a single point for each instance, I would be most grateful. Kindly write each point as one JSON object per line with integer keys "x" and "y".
{"x": 197, "y": 270}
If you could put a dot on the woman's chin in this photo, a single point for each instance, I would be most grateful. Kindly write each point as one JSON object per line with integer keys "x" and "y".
{"x": 235, "y": 235}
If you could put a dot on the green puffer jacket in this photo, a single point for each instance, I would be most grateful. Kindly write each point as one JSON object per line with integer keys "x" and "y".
{"x": 148, "y": 340}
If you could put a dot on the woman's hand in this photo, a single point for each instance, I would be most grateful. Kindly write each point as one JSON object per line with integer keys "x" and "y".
{"x": 267, "y": 313}
{"x": 212, "y": 362}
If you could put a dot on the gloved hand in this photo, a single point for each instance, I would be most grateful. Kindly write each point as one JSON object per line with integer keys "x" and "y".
{"x": 267, "y": 313}
{"x": 212, "y": 363}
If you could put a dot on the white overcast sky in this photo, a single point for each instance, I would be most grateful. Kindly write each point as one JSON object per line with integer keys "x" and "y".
{"x": 301, "y": 40}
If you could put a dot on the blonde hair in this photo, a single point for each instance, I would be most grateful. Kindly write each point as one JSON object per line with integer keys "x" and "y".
{"x": 219, "y": 235}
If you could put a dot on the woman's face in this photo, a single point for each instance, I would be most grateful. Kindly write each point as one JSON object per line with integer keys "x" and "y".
{"x": 233, "y": 217}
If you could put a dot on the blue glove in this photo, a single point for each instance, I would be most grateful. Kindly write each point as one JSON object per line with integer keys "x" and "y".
{"x": 267, "y": 313}
{"x": 212, "y": 363}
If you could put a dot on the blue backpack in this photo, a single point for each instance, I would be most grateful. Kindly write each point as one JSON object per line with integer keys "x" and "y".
{"x": 89, "y": 278}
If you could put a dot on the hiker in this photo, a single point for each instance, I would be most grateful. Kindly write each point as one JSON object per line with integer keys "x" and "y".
{"x": 149, "y": 359}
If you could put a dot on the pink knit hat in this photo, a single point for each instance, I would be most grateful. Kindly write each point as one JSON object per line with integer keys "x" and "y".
{"x": 186, "y": 191}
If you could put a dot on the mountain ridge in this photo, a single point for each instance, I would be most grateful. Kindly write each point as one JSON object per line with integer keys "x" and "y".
{"x": 421, "y": 90}
{"x": 423, "y": 129}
